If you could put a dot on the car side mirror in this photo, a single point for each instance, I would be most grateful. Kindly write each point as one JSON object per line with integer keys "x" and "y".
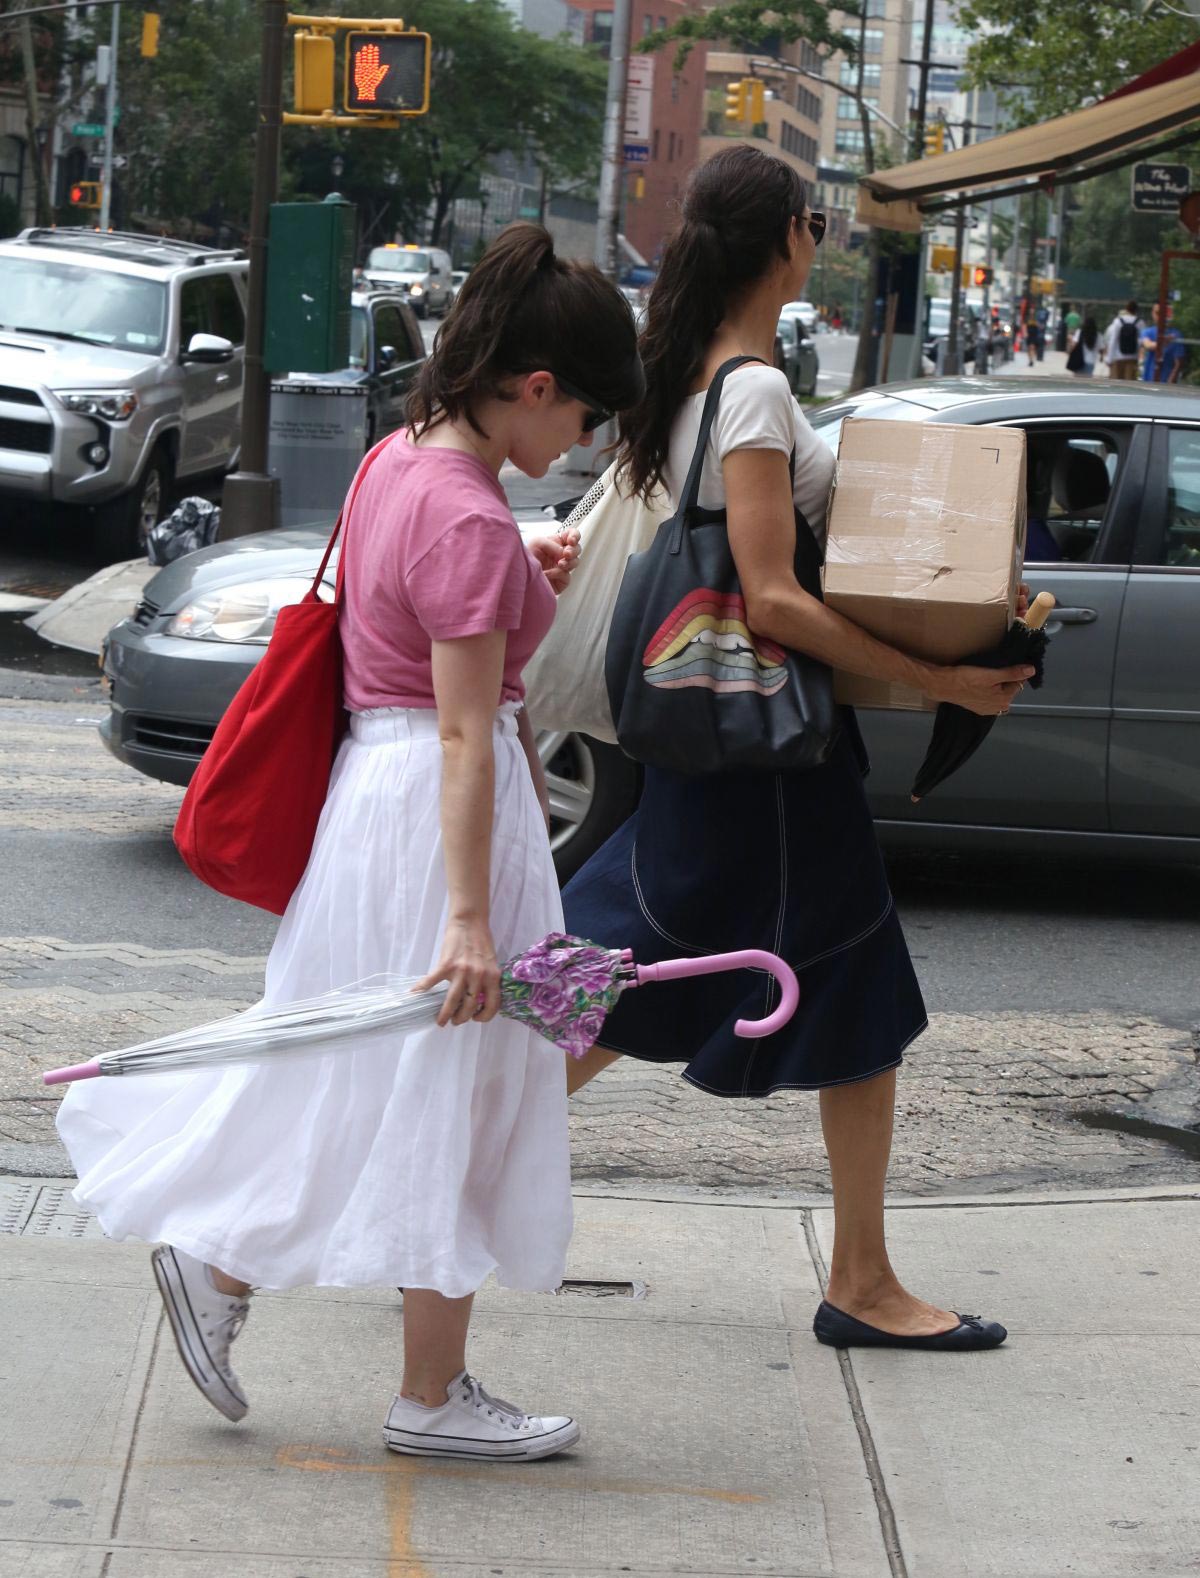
{"x": 805, "y": 341}
{"x": 208, "y": 348}
{"x": 387, "y": 356}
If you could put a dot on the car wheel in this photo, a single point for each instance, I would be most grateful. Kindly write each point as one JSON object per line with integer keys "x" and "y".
{"x": 123, "y": 524}
{"x": 593, "y": 788}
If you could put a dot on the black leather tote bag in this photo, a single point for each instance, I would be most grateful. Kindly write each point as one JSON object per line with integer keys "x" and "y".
{"x": 692, "y": 688}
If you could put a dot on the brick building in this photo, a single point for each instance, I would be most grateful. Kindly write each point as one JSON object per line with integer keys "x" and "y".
{"x": 677, "y": 113}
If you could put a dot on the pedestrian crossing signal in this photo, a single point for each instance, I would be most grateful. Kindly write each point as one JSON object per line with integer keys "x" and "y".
{"x": 85, "y": 194}
{"x": 981, "y": 276}
{"x": 935, "y": 140}
{"x": 387, "y": 73}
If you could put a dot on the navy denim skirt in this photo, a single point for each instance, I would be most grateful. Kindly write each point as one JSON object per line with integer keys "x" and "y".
{"x": 783, "y": 861}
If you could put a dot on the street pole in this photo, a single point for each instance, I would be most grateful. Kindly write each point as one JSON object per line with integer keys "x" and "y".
{"x": 918, "y": 150}
{"x": 609, "y": 216}
{"x": 110, "y": 116}
{"x": 953, "y": 359}
{"x": 250, "y": 499}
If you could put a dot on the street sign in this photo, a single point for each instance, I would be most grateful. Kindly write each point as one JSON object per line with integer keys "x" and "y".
{"x": 637, "y": 153}
{"x": 639, "y": 95}
{"x": 87, "y": 129}
{"x": 1159, "y": 188}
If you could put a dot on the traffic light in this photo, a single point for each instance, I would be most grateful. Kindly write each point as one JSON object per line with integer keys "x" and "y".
{"x": 85, "y": 194}
{"x": 935, "y": 140}
{"x": 314, "y": 73}
{"x": 387, "y": 73}
{"x": 150, "y": 23}
{"x": 757, "y": 98}
{"x": 981, "y": 276}
{"x": 735, "y": 102}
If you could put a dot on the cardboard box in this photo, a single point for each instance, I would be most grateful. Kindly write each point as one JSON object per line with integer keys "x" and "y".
{"x": 926, "y": 542}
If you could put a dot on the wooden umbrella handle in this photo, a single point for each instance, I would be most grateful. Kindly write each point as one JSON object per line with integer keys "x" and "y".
{"x": 1039, "y": 611}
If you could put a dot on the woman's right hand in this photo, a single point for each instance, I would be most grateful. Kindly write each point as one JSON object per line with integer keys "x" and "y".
{"x": 468, "y": 961}
{"x": 986, "y": 691}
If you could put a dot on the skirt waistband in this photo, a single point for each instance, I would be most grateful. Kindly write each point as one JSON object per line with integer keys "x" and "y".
{"x": 394, "y": 725}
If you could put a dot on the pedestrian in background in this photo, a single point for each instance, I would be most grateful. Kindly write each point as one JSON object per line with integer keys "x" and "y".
{"x": 423, "y": 1160}
{"x": 1032, "y": 337}
{"x": 781, "y": 860}
{"x": 1168, "y": 369}
{"x": 1121, "y": 342}
{"x": 1084, "y": 349}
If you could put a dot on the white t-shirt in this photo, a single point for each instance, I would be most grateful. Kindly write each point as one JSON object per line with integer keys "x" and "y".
{"x": 1112, "y": 338}
{"x": 756, "y": 411}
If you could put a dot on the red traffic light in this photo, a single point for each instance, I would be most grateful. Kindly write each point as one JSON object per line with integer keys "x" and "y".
{"x": 387, "y": 73}
{"x": 982, "y": 275}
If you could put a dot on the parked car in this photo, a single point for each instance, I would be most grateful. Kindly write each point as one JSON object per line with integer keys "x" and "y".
{"x": 1105, "y": 758}
{"x": 806, "y": 312}
{"x": 422, "y": 275}
{"x": 120, "y": 372}
{"x": 457, "y": 280}
{"x": 386, "y": 353}
{"x": 800, "y": 360}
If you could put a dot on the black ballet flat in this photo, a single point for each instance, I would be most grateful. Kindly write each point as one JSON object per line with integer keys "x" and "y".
{"x": 838, "y": 1330}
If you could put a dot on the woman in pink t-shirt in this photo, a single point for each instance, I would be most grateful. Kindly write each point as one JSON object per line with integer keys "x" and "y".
{"x": 433, "y": 1159}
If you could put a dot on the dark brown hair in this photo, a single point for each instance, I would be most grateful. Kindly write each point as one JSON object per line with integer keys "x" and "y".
{"x": 522, "y": 309}
{"x": 737, "y": 214}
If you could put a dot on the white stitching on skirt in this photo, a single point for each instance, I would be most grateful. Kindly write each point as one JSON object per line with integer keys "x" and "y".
{"x": 665, "y": 935}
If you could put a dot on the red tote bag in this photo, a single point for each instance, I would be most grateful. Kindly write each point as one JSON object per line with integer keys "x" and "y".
{"x": 248, "y": 820}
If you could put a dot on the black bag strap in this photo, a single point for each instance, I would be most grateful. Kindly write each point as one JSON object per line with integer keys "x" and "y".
{"x": 691, "y": 488}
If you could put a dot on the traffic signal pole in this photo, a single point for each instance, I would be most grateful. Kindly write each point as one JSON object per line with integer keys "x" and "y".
{"x": 250, "y": 499}
{"x": 110, "y": 117}
{"x": 613, "y": 166}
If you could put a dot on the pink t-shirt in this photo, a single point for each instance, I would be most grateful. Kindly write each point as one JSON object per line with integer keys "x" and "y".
{"x": 433, "y": 553}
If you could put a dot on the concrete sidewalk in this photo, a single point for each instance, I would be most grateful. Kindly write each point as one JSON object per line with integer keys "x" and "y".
{"x": 719, "y": 1438}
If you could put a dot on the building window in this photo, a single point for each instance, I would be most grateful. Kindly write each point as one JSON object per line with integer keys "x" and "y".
{"x": 847, "y": 139}
{"x": 808, "y": 103}
{"x": 12, "y": 151}
{"x": 873, "y": 41}
{"x": 671, "y": 148}
{"x": 647, "y": 26}
{"x": 654, "y": 152}
{"x": 662, "y": 24}
{"x": 848, "y": 76}
{"x": 876, "y": 8}
{"x": 602, "y": 29}
{"x": 675, "y": 89}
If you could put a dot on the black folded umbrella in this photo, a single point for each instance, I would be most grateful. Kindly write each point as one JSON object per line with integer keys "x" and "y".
{"x": 957, "y": 733}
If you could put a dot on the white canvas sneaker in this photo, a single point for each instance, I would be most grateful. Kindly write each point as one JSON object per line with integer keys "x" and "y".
{"x": 470, "y": 1424}
{"x": 204, "y": 1322}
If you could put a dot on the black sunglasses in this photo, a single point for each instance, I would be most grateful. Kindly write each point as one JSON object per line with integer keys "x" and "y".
{"x": 817, "y": 223}
{"x": 596, "y": 416}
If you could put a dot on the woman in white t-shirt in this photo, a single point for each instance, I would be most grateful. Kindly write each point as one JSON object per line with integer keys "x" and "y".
{"x": 782, "y": 860}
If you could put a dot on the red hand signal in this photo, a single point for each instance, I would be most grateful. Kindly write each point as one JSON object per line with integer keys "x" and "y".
{"x": 368, "y": 73}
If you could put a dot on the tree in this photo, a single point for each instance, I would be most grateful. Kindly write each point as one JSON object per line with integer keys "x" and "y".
{"x": 1048, "y": 57}
{"x": 764, "y": 26}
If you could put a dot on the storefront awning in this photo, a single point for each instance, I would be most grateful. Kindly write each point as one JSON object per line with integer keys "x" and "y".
{"x": 1067, "y": 148}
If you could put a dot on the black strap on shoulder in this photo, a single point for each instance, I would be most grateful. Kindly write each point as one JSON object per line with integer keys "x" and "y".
{"x": 691, "y": 488}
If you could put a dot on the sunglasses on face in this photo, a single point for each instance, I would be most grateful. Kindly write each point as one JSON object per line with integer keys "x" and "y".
{"x": 597, "y": 414}
{"x": 816, "y": 223}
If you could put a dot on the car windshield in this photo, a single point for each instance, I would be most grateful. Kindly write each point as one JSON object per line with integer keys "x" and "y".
{"x": 358, "y": 337}
{"x": 397, "y": 260}
{"x": 68, "y": 302}
{"x": 787, "y": 331}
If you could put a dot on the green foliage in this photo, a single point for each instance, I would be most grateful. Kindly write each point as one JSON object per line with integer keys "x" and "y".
{"x": 1048, "y": 57}
{"x": 742, "y": 23}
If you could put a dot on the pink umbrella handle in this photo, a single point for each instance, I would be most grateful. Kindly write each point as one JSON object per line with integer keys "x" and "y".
{"x": 716, "y": 964}
{"x": 63, "y": 1076}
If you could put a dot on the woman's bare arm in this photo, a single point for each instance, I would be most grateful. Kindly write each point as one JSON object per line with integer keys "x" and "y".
{"x": 525, "y": 734}
{"x": 467, "y": 676}
{"x": 762, "y": 535}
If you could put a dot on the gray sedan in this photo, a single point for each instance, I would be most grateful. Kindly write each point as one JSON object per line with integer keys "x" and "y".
{"x": 1106, "y": 757}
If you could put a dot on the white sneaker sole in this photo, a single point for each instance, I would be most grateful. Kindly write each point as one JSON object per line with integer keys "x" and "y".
{"x": 416, "y": 1443}
{"x": 189, "y": 1339}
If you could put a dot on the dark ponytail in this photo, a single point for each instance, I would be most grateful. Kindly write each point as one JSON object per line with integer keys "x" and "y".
{"x": 737, "y": 214}
{"x": 523, "y": 309}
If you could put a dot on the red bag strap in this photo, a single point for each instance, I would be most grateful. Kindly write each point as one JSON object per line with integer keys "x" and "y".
{"x": 337, "y": 525}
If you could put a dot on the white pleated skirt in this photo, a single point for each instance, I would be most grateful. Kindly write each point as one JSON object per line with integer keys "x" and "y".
{"x": 426, "y": 1160}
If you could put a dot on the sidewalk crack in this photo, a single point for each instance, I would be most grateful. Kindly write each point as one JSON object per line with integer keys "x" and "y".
{"x": 883, "y": 1501}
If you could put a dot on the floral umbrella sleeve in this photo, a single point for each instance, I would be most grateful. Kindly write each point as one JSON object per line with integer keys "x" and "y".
{"x": 564, "y": 988}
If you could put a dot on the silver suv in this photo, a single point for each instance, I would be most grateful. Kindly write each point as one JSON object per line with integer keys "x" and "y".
{"x": 120, "y": 372}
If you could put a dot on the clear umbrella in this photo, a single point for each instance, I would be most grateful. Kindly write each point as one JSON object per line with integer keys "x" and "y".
{"x": 563, "y": 988}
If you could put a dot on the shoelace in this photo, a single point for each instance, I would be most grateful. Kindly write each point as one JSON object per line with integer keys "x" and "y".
{"x": 474, "y": 1393}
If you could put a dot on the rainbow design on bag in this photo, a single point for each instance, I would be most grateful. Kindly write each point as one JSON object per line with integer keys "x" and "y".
{"x": 706, "y": 642}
